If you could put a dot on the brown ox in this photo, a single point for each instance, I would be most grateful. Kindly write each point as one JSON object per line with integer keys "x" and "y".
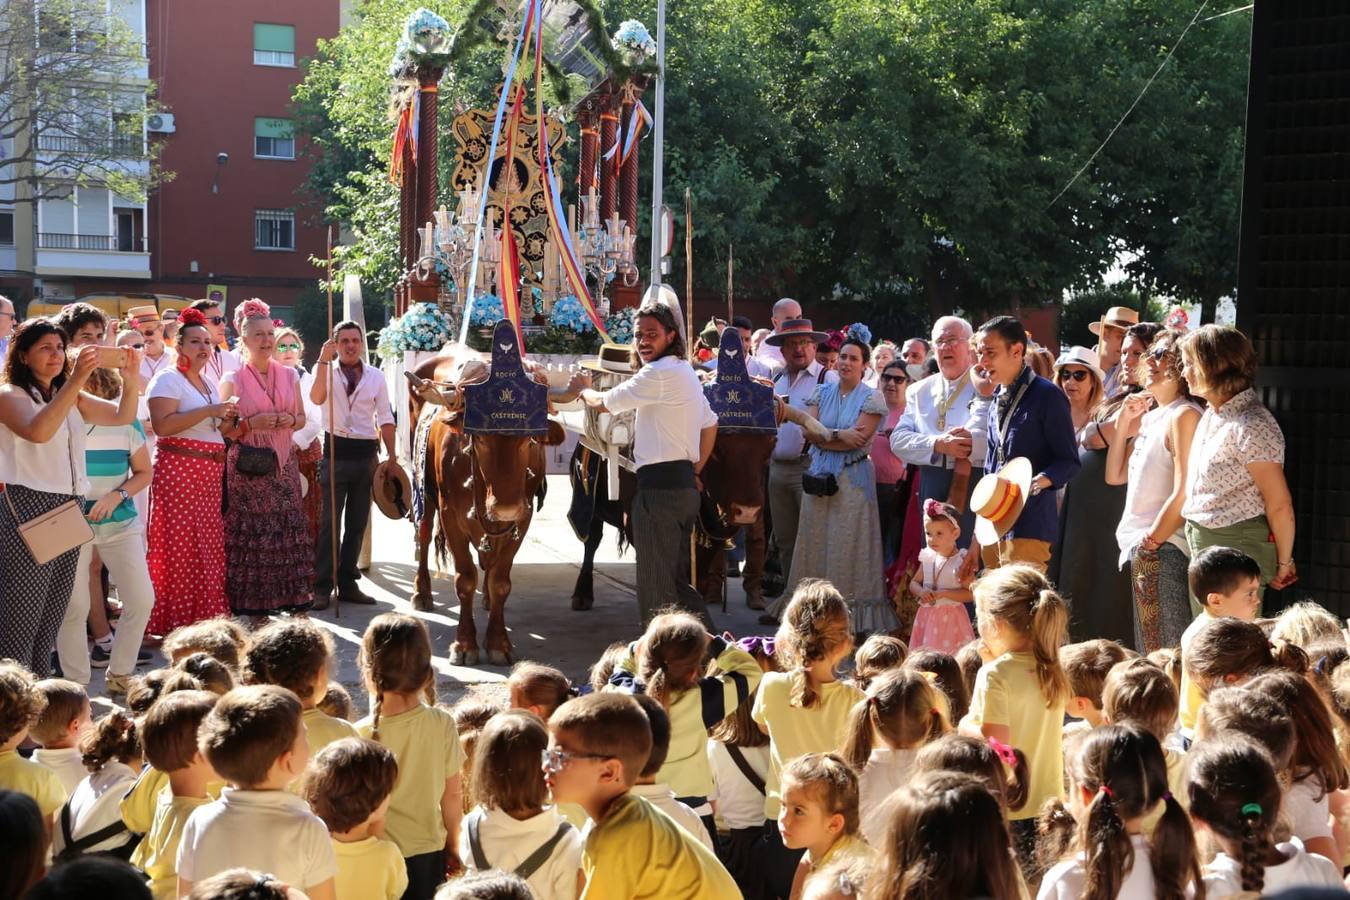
{"x": 483, "y": 486}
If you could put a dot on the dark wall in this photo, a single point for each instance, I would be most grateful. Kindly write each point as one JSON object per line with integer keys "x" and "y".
{"x": 1294, "y": 271}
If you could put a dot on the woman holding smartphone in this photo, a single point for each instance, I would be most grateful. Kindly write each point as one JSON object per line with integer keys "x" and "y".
{"x": 43, "y": 413}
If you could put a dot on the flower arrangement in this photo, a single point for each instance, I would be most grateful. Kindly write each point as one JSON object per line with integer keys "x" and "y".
{"x": 634, "y": 42}
{"x": 427, "y": 40}
{"x": 620, "y": 325}
{"x": 393, "y": 342}
{"x": 425, "y": 327}
{"x": 568, "y": 313}
{"x": 859, "y": 332}
{"x": 487, "y": 311}
{"x": 835, "y": 339}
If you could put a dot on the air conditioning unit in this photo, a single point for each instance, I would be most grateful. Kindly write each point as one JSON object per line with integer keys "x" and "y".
{"x": 160, "y": 123}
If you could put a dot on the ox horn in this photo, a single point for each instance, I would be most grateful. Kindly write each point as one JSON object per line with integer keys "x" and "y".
{"x": 808, "y": 423}
{"x": 435, "y": 394}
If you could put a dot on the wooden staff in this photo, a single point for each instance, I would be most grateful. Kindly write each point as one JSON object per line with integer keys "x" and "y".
{"x": 731, "y": 269}
{"x": 332, "y": 450}
{"x": 689, "y": 347}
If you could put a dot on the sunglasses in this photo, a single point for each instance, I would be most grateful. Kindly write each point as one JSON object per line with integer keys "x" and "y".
{"x": 1076, "y": 374}
{"x": 140, "y": 346}
{"x": 216, "y": 320}
{"x": 895, "y": 379}
{"x": 1157, "y": 353}
{"x": 287, "y": 348}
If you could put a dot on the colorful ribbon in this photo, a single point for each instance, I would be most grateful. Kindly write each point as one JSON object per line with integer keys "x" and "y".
{"x": 405, "y": 137}
{"x": 637, "y": 121}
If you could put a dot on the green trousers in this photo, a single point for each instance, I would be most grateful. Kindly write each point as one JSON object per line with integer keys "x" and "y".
{"x": 1251, "y": 536}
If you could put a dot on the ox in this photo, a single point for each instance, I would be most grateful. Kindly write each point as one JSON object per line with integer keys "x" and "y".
{"x": 483, "y": 487}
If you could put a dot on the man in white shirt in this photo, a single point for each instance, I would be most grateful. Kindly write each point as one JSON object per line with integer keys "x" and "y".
{"x": 770, "y": 354}
{"x": 155, "y": 357}
{"x": 7, "y": 324}
{"x": 362, "y": 419}
{"x": 674, "y": 432}
{"x": 797, "y": 381}
{"x": 944, "y": 428}
{"x": 223, "y": 362}
{"x": 1110, "y": 331}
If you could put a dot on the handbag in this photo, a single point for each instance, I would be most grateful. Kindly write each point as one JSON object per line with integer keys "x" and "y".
{"x": 57, "y": 530}
{"x": 820, "y": 485}
{"x": 256, "y": 460}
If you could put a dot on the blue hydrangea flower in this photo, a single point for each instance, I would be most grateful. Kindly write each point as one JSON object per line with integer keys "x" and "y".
{"x": 620, "y": 325}
{"x": 634, "y": 36}
{"x": 859, "y": 332}
{"x": 487, "y": 311}
{"x": 425, "y": 327}
{"x": 568, "y": 313}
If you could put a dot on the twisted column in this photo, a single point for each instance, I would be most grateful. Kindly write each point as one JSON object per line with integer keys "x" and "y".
{"x": 609, "y": 130}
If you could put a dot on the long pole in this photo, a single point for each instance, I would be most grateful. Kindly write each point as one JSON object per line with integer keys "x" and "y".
{"x": 332, "y": 449}
{"x": 689, "y": 270}
{"x": 659, "y": 148}
{"x": 731, "y": 270}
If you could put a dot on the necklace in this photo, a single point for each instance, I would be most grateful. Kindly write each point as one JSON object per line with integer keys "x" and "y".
{"x": 154, "y": 365}
{"x": 206, "y": 396}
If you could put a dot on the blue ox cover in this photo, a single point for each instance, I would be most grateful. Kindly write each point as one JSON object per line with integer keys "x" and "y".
{"x": 742, "y": 405}
{"x": 509, "y": 402}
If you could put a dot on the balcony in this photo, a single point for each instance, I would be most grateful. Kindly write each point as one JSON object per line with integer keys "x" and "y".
{"x": 117, "y": 146}
{"x": 92, "y": 255}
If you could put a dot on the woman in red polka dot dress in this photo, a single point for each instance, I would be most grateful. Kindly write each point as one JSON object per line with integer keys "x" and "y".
{"x": 187, "y": 539}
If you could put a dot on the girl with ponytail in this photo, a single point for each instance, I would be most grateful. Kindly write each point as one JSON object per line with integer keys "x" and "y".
{"x": 1117, "y": 776}
{"x": 1020, "y": 691}
{"x": 804, "y": 709}
{"x": 91, "y": 821}
{"x": 1003, "y": 769}
{"x": 395, "y": 663}
{"x": 1235, "y": 796}
{"x": 901, "y": 712}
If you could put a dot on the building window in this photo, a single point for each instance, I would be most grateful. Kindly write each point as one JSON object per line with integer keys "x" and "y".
{"x": 7, "y": 226}
{"x": 274, "y": 45}
{"x": 273, "y": 139}
{"x": 274, "y": 229}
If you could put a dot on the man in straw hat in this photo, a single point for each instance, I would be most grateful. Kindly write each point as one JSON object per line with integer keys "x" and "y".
{"x": 1110, "y": 331}
{"x": 1032, "y": 452}
{"x": 674, "y": 431}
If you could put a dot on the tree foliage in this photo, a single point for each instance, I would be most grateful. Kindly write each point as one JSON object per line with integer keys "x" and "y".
{"x": 906, "y": 154}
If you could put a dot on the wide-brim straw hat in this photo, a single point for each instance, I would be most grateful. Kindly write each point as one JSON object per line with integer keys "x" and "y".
{"x": 794, "y": 328}
{"x": 141, "y": 315}
{"x": 613, "y": 359}
{"x": 999, "y": 498}
{"x": 1117, "y": 317}
{"x": 1081, "y": 356}
{"x": 392, "y": 490}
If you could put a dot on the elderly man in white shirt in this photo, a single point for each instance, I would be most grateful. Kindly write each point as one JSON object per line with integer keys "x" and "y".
{"x": 771, "y": 355}
{"x": 362, "y": 419}
{"x": 945, "y": 426}
{"x": 674, "y": 432}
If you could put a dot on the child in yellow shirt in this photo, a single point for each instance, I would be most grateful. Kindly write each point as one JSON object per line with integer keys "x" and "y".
{"x": 21, "y": 705}
{"x": 597, "y": 746}
{"x": 348, "y": 785}
{"x": 169, "y": 740}
{"x": 295, "y": 654}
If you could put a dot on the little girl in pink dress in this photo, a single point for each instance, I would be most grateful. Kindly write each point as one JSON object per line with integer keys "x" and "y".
{"x": 942, "y": 622}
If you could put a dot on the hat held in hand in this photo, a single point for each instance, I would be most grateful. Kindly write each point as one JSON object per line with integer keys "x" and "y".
{"x": 999, "y": 499}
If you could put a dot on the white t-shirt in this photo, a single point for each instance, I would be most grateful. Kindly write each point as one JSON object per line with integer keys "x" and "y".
{"x": 1223, "y": 877}
{"x": 1309, "y": 817}
{"x": 1066, "y": 880}
{"x": 739, "y": 803}
{"x": 173, "y": 384}
{"x": 885, "y": 771}
{"x": 663, "y": 798}
{"x": 508, "y": 842}
{"x": 313, "y": 414}
{"x": 671, "y": 411}
{"x": 66, "y": 762}
{"x": 94, "y": 805}
{"x": 268, "y": 831}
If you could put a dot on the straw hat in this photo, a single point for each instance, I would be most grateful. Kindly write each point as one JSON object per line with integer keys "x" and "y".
{"x": 792, "y": 328}
{"x": 1081, "y": 356}
{"x": 392, "y": 489}
{"x": 143, "y": 315}
{"x": 614, "y": 359}
{"x": 999, "y": 499}
{"x": 1115, "y": 317}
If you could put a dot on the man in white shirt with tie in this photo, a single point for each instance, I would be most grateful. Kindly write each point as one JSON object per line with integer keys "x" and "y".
{"x": 362, "y": 418}
{"x": 944, "y": 428}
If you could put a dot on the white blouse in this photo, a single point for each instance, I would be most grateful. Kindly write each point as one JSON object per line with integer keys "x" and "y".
{"x": 1150, "y": 480}
{"x": 56, "y": 466}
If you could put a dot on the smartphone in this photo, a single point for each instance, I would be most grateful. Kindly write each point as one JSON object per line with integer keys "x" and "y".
{"x": 111, "y": 357}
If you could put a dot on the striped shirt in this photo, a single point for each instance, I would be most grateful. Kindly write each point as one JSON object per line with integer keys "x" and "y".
{"x": 107, "y": 455}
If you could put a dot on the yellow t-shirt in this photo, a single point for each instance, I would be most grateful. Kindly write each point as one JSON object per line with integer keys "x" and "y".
{"x": 637, "y": 851}
{"x": 795, "y": 731}
{"x": 1007, "y": 692}
{"x": 33, "y": 779}
{"x": 426, "y": 744}
{"x": 142, "y": 801}
{"x": 323, "y": 729}
{"x": 157, "y": 854}
{"x": 372, "y": 869}
{"x": 1191, "y": 696}
{"x": 694, "y": 711}
{"x": 850, "y": 846}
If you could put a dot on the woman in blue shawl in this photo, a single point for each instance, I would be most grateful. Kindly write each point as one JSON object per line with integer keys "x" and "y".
{"x": 839, "y": 532}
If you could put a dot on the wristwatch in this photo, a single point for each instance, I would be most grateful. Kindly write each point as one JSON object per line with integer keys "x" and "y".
{"x": 124, "y": 495}
{"x": 834, "y": 434}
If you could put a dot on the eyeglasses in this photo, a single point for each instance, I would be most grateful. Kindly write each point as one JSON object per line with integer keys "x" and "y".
{"x": 216, "y": 320}
{"x": 10, "y": 314}
{"x": 555, "y": 758}
{"x": 894, "y": 379}
{"x": 947, "y": 341}
{"x": 287, "y": 348}
{"x": 1076, "y": 374}
{"x": 140, "y": 346}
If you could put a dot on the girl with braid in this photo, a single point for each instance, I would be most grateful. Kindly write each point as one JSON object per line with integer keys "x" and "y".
{"x": 1235, "y": 796}
{"x": 425, "y": 807}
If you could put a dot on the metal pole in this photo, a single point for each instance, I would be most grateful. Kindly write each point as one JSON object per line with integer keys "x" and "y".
{"x": 332, "y": 449}
{"x": 658, "y": 146}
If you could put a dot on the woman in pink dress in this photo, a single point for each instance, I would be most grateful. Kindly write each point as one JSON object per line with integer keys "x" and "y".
{"x": 941, "y": 622}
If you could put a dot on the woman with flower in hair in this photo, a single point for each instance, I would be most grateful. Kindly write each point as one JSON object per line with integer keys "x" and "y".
{"x": 290, "y": 351}
{"x": 269, "y": 555}
{"x": 187, "y": 539}
{"x": 838, "y": 531}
